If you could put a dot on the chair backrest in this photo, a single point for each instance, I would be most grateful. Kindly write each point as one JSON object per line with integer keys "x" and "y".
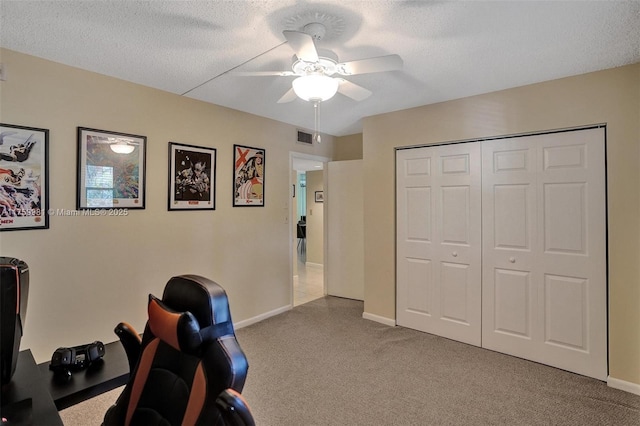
{"x": 189, "y": 356}
{"x": 302, "y": 231}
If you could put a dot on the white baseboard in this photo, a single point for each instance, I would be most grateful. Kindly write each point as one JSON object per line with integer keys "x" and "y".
{"x": 623, "y": 385}
{"x": 318, "y": 265}
{"x": 377, "y": 318}
{"x": 261, "y": 317}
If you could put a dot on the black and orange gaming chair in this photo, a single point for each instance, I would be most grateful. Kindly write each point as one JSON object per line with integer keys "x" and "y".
{"x": 188, "y": 368}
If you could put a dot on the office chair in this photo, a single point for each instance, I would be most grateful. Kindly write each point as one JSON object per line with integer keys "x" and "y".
{"x": 302, "y": 235}
{"x": 188, "y": 367}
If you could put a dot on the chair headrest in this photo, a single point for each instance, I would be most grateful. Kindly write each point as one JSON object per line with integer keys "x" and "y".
{"x": 205, "y": 299}
{"x": 178, "y": 329}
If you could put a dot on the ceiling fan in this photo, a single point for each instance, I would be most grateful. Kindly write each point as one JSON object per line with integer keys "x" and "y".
{"x": 315, "y": 71}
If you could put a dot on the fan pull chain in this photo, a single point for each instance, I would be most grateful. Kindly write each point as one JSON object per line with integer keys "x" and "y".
{"x": 316, "y": 110}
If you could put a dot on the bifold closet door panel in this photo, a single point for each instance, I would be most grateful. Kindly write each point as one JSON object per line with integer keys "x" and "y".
{"x": 544, "y": 249}
{"x": 510, "y": 244}
{"x": 439, "y": 240}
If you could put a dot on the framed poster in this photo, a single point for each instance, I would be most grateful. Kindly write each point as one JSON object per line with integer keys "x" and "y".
{"x": 111, "y": 170}
{"x": 319, "y": 196}
{"x": 192, "y": 177}
{"x": 248, "y": 176}
{"x": 24, "y": 178}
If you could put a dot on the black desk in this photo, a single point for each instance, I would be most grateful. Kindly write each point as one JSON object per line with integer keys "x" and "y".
{"x": 102, "y": 377}
{"x": 27, "y": 384}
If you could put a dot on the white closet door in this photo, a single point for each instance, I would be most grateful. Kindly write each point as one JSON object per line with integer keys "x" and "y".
{"x": 439, "y": 240}
{"x": 544, "y": 259}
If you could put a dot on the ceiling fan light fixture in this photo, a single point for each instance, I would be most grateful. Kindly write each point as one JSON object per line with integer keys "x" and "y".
{"x": 315, "y": 87}
{"x": 121, "y": 147}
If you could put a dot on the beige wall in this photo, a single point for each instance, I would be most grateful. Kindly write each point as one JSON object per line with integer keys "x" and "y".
{"x": 89, "y": 273}
{"x": 315, "y": 219}
{"x": 348, "y": 148}
{"x": 611, "y": 97}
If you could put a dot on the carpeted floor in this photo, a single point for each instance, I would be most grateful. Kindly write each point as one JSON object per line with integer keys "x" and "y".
{"x": 322, "y": 364}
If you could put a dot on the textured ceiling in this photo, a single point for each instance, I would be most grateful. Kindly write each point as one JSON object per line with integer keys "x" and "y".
{"x": 450, "y": 49}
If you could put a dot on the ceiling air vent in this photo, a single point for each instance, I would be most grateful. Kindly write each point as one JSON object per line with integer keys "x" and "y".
{"x": 304, "y": 137}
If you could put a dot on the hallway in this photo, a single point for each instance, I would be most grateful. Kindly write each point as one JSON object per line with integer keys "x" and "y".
{"x": 308, "y": 284}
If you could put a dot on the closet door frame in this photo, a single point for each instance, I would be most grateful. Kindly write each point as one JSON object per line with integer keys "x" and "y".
{"x": 535, "y": 327}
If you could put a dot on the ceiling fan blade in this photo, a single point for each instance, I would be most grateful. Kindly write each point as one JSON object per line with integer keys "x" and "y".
{"x": 364, "y": 66}
{"x": 352, "y": 90}
{"x": 290, "y": 96}
{"x": 303, "y": 45}
{"x": 262, "y": 73}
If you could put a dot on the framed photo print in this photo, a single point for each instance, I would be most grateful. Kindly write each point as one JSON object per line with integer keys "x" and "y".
{"x": 111, "y": 170}
{"x": 319, "y": 196}
{"x": 192, "y": 177}
{"x": 24, "y": 178}
{"x": 248, "y": 176}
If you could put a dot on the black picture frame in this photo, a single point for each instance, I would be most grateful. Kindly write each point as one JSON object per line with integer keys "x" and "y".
{"x": 319, "y": 196}
{"x": 107, "y": 179}
{"x": 192, "y": 177}
{"x": 24, "y": 177}
{"x": 249, "y": 167}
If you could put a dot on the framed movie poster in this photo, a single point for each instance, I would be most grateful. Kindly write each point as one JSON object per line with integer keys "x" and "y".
{"x": 192, "y": 177}
{"x": 111, "y": 170}
{"x": 24, "y": 178}
{"x": 248, "y": 176}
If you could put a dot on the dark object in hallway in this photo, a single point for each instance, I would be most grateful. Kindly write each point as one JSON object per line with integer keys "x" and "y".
{"x": 302, "y": 236}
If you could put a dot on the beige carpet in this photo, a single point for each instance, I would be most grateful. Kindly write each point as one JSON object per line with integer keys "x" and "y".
{"x": 322, "y": 364}
{"x": 90, "y": 412}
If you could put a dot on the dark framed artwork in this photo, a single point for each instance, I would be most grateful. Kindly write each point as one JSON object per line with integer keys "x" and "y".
{"x": 319, "y": 196}
{"x": 24, "y": 178}
{"x": 192, "y": 177}
{"x": 294, "y": 192}
{"x": 248, "y": 176}
{"x": 111, "y": 170}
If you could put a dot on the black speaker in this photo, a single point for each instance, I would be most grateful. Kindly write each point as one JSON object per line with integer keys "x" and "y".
{"x": 14, "y": 293}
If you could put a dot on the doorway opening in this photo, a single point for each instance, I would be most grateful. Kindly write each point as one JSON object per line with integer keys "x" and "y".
{"x": 307, "y": 230}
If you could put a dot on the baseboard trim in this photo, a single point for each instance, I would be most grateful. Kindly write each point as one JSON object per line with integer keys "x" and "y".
{"x": 262, "y": 317}
{"x": 623, "y": 385}
{"x": 314, "y": 264}
{"x": 377, "y": 318}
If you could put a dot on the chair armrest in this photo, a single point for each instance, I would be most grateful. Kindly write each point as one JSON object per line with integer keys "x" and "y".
{"x": 234, "y": 409}
{"x": 131, "y": 342}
